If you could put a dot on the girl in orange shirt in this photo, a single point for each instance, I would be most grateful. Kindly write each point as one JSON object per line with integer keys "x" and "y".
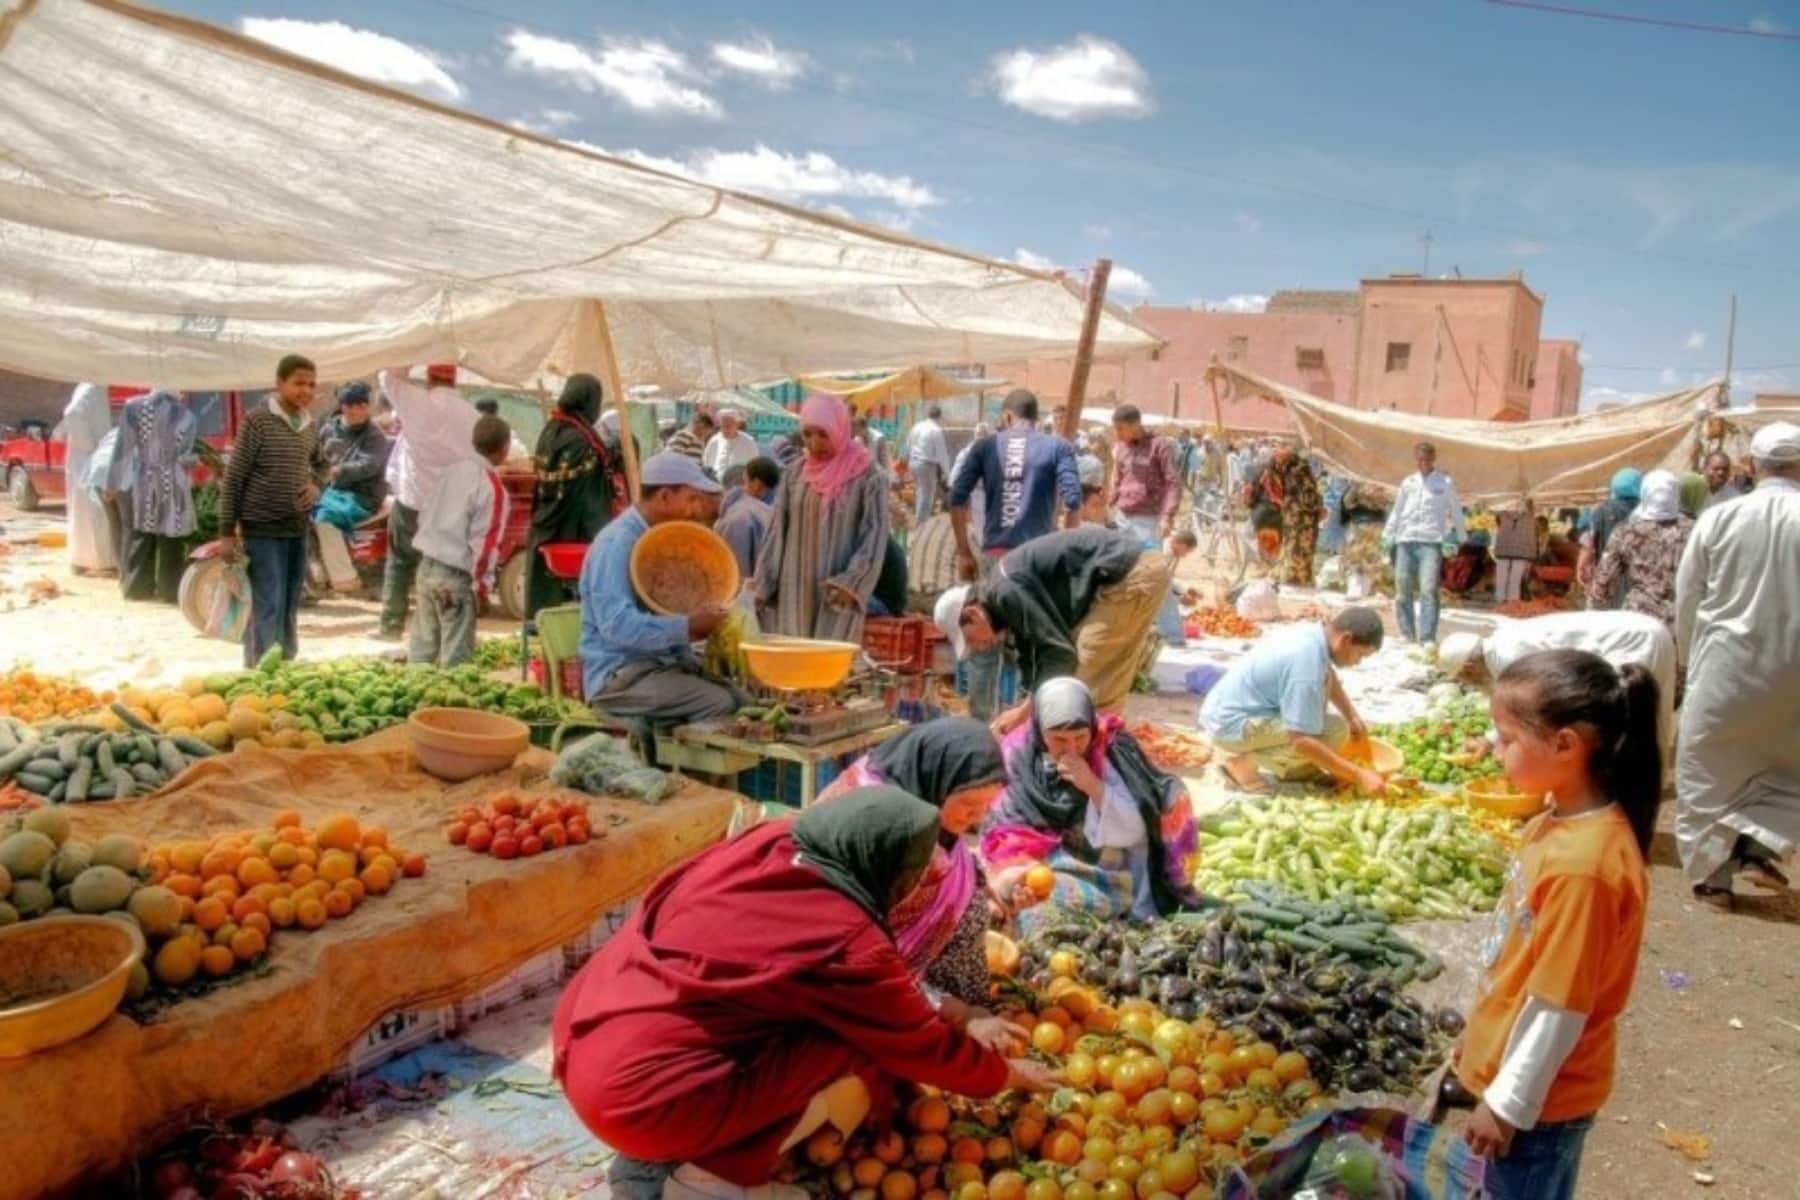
{"x": 1542, "y": 1037}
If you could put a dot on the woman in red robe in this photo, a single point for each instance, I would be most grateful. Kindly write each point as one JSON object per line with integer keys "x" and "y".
{"x": 750, "y": 980}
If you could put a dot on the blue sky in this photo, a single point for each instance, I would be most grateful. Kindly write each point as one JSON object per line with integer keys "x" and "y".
{"x": 1216, "y": 151}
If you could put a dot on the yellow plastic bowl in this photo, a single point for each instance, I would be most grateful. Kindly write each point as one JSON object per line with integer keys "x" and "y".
{"x": 799, "y": 664}
{"x": 1496, "y": 795}
{"x": 61, "y": 977}
{"x": 1382, "y": 757}
{"x": 460, "y": 743}
{"x": 689, "y": 543}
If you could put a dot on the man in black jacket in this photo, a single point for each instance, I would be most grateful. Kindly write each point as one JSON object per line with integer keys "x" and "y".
{"x": 1081, "y": 602}
{"x": 356, "y": 454}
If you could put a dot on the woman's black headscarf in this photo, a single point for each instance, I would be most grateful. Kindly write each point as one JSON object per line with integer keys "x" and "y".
{"x": 936, "y": 758}
{"x": 1037, "y": 796}
{"x": 581, "y": 397}
{"x": 866, "y": 842}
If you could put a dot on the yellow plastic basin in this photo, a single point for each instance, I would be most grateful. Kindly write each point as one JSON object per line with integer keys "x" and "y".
{"x": 61, "y": 977}
{"x": 686, "y": 555}
{"x": 461, "y": 743}
{"x": 1497, "y": 795}
{"x": 1382, "y": 757}
{"x": 800, "y": 664}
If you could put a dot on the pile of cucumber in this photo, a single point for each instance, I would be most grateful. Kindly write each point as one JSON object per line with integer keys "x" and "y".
{"x": 73, "y": 763}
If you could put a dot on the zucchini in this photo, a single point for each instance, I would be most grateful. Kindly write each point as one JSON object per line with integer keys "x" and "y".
{"x": 14, "y": 759}
{"x": 129, "y": 718}
{"x": 80, "y": 780}
{"x": 103, "y": 759}
{"x": 1294, "y": 938}
{"x": 100, "y": 791}
{"x": 124, "y": 785}
{"x": 169, "y": 758}
{"x": 9, "y": 741}
{"x": 51, "y": 769}
{"x": 34, "y": 783}
{"x": 57, "y": 792}
{"x": 1271, "y": 915}
{"x": 193, "y": 747}
{"x": 146, "y": 747}
{"x": 147, "y": 774}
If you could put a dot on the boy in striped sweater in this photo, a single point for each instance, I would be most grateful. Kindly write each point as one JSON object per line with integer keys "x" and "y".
{"x": 460, "y": 527}
{"x": 265, "y": 505}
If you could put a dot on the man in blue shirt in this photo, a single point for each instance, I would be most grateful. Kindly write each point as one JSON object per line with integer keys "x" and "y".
{"x": 1269, "y": 709}
{"x": 744, "y": 519}
{"x": 637, "y": 664}
{"x": 1027, "y": 479}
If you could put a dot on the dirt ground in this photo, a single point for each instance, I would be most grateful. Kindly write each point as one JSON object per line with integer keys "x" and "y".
{"x": 1709, "y": 1046}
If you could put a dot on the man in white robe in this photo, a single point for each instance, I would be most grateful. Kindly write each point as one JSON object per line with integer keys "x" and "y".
{"x": 1737, "y": 627}
{"x": 86, "y": 420}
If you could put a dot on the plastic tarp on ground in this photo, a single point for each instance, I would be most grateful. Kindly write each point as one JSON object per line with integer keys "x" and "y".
{"x": 469, "y": 922}
{"x": 913, "y": 385}
{"x": 1563, "y": 460}
{"x": 182, "y": 204}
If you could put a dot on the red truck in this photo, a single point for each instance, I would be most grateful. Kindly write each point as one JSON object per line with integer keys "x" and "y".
{"x": 33, "y": 459}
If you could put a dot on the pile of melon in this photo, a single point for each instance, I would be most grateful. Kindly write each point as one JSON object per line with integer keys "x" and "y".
{"x": 44, "y": 871}
{"x": 199, "y": 709}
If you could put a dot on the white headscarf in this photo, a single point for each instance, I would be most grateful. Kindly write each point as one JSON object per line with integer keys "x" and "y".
{"x": 1659, "y": 498}
{"x": 1063, "y": 702}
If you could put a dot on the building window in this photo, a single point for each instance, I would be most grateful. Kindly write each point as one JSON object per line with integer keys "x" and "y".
{"x": 1399, "y": 354}
{"x": 1237, "y": 349}
{"x": 1309, "y": 358}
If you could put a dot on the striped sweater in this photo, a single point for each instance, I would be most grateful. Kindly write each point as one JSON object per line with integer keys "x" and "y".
{"x": 270, "y": 463}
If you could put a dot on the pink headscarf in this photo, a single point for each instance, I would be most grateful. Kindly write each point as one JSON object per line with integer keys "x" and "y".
{"x": 849, "y": 457}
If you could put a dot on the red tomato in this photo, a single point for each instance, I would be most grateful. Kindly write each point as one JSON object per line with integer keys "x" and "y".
{"x": 505, "y": 824}
{"x": 544, "y": 818}
{"x": 578, "y": 832}
{"x": 457, "y": 833}
{"x": 555, "y": 836}
{"x": 480, "y": 839}
{"x": 531, "y": 844}
{"x": 469, "y": 815}
{"x": 506, "y": 846}
{"x": 570, "y": 811}
{"x": 506, "y": 802}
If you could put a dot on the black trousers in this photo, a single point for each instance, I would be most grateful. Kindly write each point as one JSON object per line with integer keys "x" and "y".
{"x": 153, "y": 566}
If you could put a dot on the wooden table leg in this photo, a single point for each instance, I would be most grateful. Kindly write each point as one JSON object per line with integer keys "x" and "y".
{"x": 809, "y": 780}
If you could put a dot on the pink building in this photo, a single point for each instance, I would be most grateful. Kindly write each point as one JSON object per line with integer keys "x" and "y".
{"x": 1556, "y": 386}
{"x": 1448, "y": 347}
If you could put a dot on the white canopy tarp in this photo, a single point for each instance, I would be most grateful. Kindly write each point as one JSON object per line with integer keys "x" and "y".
{"x": 180, "y": 204}
{"x": 1562, "y": 460}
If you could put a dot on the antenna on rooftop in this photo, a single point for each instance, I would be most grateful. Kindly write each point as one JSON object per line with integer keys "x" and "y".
{"x": 1426, "y": 241}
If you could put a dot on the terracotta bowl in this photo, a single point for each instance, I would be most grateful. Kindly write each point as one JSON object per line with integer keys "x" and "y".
{"x": 460, "y": 743}
{"x": 61, "y": 977}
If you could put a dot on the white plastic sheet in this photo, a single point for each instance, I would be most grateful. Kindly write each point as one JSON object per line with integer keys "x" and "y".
{"x": 182, "y": 205}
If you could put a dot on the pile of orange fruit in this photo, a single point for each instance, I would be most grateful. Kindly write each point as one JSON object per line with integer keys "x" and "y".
{"x": 29, "y": 696}
{"x": 236, "y": 890}
{"x": 1153, "y": 1108}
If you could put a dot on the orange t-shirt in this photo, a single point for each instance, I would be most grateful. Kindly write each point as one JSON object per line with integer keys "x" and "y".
{"x": 1567, "y": 931}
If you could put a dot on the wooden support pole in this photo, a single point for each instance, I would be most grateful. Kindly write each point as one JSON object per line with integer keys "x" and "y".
{"x": 1212, "y": 381}
{"x": 1084, "y": 349}
{"x": 615, "y": 385}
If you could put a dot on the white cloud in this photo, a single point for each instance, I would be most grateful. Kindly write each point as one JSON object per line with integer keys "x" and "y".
{"x": 761, "y": 60}
{"x": 1609, "y": 397}
{"x": 1766, "y": 24}
{"x": 1525, "y": 248}
{"x": 1087, "y": 79}
{"x": 903, "y": 221}
{"x": 1037, "y": 262}
{"x": 1239, "y": 302}
{"x": 1668, "y": 377}
{"x": 1695, "y": 340}
{"x": 1127, "y": 282}
{"x": 1583, "y": 357}
{"x": 1247, "y": 223}
{"x": 645, "y": 75}
{"x": 545, "y": 120}
{"x": 1100, "y": 233}
{"x": 1761, "y": 381}
{"x": 809, "y": 178}
{"x": 361, "y": 52}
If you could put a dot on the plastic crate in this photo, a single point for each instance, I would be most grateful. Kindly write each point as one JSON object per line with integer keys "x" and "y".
{"x": 897, "y": 642}
{"x": 536, "y": 974}
{"x": 539, "y": 677}
{"x": 765, "y": 784}
{"x": 395, "y": 1034}
{"x": 598, "y": 934}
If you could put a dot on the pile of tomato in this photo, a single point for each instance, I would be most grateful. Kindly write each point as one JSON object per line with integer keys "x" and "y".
{"x": 514, "y": 826}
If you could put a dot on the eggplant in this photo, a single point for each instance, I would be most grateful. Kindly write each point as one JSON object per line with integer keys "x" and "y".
{"x": 1327, "y": 981}
{"x": 1268, "y": 1029}
{"x": 1175, "y": 988}
{"x": 1286, "y": 1003}
{"x": 1183, "y": 1010}
{"x": 1340, "y": 1033}
{"x": 1232, "y": 951}
{"x": 1449, "y": 1021}
{"x": 1210, "y": 950}
{"x": 1311, "y": 1035}
{"x": 1363, "y": 1079}
{"x": 1269, "y": 953}
{"x": 1248, "y": 981}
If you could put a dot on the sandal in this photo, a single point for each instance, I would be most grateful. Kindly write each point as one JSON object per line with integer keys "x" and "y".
{"x": 1764, "y": 874}
{"x": 1716, "y": 898}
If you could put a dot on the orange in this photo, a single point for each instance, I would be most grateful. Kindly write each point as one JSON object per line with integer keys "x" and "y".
{"x": 255, "y": 870}
{"x": 1041, "y": 880}
{"x": 223, "y": 886}
{"x": 287, "y": 818}
{"x": 377, "y": 879}
{"x": 283, "y": 856}
{"x": 309, "y": 856}
{"x": 413, "y": 865}
{"x": 929, "y": 1114}
{"x": 290, "y": 835}
{"x": 336, "y": 866}
{"x": 262, "y": 842}
{"x": 159, "y": 867}
{"x": 339, "y": 903}
{"x": 310, "y": 913}
{"x": 313, "y": 891}
{"x": 259, "y": 922}
{"x": 183, "y": 885}
{"x": 187, "y": 909}
{"x": 210, "y": 913}
{"x": 187, "y": 856}
{"x": 177, "y": 960}
{"x": 1290, "y": 1066}
{"x": 265, "y": 892}
{"x": 339, "y": 831}
{"x": 354, "y": 887}
{"x": 301, "y": 875}
{"x": 246, "y": 944}
{"x": 282, "y": 913}
{"x": 217, "y": 960}
{"x": 223, "y": 934}
{"x": 374, "y": 836}
{"x": 248, "y": 906}
{"x": 218, "y": 862}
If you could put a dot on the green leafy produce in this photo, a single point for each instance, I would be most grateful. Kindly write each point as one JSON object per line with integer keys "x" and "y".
{"x": 602, "y": 765}
{"x": 497, "y": 654}
{"x": 1403, "y": 862}
{"x": 1433, "y": 744}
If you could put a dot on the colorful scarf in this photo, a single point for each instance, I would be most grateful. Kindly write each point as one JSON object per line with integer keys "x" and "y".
{"x": 849, "y": 459}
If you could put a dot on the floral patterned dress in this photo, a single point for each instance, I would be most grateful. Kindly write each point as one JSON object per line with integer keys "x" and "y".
{"x": 1644, "y": 556}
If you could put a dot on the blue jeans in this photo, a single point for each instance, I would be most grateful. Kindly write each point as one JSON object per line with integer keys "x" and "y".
{"x": 1168, "y": 616}
{"x": 1542, "y": 1164}
{"x": 1417, "y": 568}
{"x": 277, "y": 569}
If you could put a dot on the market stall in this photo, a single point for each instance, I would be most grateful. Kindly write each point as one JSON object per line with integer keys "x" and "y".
{"x": 469, "y": 920}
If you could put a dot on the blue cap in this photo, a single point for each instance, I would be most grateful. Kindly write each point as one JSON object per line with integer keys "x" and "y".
{"x": 669, "y": 469}
{"x": 356, "y": 392}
